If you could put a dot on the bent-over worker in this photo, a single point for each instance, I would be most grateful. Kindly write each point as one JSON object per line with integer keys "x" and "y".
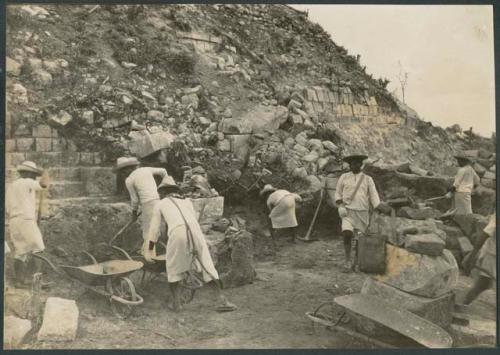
{"x": 354, "y": 195}
{"x": 465, "y": 181}
{"x": 24, "y": 233}
{"x": 187, "y": 249}
{"x": 281, "y": 203}
{"x": 141, "y": 186}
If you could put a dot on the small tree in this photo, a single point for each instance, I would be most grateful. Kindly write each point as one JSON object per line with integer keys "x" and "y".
{"x": 403, "y": 80}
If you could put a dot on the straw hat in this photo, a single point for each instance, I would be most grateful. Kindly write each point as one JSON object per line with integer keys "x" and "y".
{"x": 352, "y": 157}
{"x": 29, "y": 166}
{"x": 267, "y": 188}
{"x": 167, "y": 181}
{"x": 123, "y": 162}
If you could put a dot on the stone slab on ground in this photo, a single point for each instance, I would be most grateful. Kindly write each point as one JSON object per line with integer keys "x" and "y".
{"x": 212, "y": 208}
{"x": 15, "y": 329}
{"x": 428, "y": 244}
{"x": 437, "y": 310}
{"x": 478, "y": 331}
{"x": 419, "y": 274}
{"x": 242, "y": 270}
{"x": 60, "y": 320}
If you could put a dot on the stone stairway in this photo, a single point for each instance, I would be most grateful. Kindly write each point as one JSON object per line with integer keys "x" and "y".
{"x": 76, "y": 177}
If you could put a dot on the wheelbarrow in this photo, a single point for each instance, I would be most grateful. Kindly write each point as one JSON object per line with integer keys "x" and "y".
{"x": 108, "y": 279}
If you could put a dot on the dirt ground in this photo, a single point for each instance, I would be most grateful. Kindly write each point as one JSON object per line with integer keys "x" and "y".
{"x": 271, "y": 311}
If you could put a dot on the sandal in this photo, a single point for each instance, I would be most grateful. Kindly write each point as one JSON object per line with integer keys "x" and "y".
{"x": 226, "y": 307}
{"x": 310, "y": 240}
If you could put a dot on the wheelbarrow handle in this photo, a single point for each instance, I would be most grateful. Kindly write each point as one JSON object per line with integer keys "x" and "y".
{"x": 44, "y": 258}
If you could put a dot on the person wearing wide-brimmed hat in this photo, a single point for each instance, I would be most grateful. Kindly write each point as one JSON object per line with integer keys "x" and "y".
{"x": 24, "y": 233}
{"x": 281, "y": 203}
{"x": 187, "y": 250}
{"x": 483, "y": 258}
{"x": 354, "y": 194}
{"x": 465, "y": 181}
{"x": 141, "y": 185}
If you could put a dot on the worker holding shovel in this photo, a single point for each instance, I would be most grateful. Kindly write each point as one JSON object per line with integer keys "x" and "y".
{"x": 24, "y": 233}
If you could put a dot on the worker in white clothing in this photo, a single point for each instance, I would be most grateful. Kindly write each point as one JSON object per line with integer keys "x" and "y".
{"x": 465, "y": 182}
{"x": 24, "y": 233}
{"x": 281, "y": 204}
{"x": 354, "y": 195}
{"x": 141, "y": 185}
{"x": 187, "y": 250}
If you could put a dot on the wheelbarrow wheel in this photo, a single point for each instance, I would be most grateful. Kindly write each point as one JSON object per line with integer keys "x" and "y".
{"x": 124, "y": 288}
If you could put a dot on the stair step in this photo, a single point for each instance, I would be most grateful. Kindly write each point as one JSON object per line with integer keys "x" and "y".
{"x": 55, "y": 173}
{"x": 63, "y": 159}
{"x": 64, "y": 189}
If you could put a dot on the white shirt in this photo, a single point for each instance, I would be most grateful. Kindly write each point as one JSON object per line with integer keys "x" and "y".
{"x": 141, "y": 185}
{"x": 277, "y": 195}
{"x": 21, "y": 201}
{"x": 167, "y": 211}
{"x": 366, "y": 194}
{"x": 465, "y": 179}
{"x": 490, "y": 246}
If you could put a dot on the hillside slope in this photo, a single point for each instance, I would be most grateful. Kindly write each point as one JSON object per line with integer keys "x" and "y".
{"x": 221, "y": 79}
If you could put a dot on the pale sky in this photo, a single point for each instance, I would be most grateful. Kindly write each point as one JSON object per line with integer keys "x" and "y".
{"x": 446, "y": 49}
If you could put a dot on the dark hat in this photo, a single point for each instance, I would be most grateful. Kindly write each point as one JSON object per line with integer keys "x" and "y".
{"x": 353, "y": 157}
{"x": 462, "y": 156}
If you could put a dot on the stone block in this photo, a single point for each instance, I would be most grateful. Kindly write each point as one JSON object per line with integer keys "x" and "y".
{"x": 301, "y": 139}
{"x": 42, "y": 131}
{"x": 419, "y": 214}
{"x": 240, "y": 145}
{"x": 418, "y": 171}
{"x": 86, "y": 158}
{"x": 15, "y": 329}
{"x": 58, "y": 144}
{"x": 148, "y": 143}
{"x": 224, "y": 145}
{"x": 427, "y": 244}
{"x": 14, "y": 159}
{"x": 25, "y": 144}
{"x": 330, "y": 146}
{"x": 211, "y": 207}
{"x": 479, "y": 169}
{"x": 12, "y": 67}
{"x": 437, "y": 310}
{"x": 10, "y": 145}
{"x": 490, "y": 175}
{"x": 241, "y": 270}
{"x": 419, "y": 274}
{"x": 98, "y": 181}
{"x": 296, "y": 119}
{"x": 66, "y": 189}
{"x": 43, "y": 144}
{"x": 465, "y": 245}
{"x": 60, "y": 320}
{"x": 62, "y": 118}
{"x": 300, "y": 149}
{"x": 472, "y": 153}
{"x": 489, "y": 183}
{"x": 310, "y": 94}
{"x": 311, "y": 157}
